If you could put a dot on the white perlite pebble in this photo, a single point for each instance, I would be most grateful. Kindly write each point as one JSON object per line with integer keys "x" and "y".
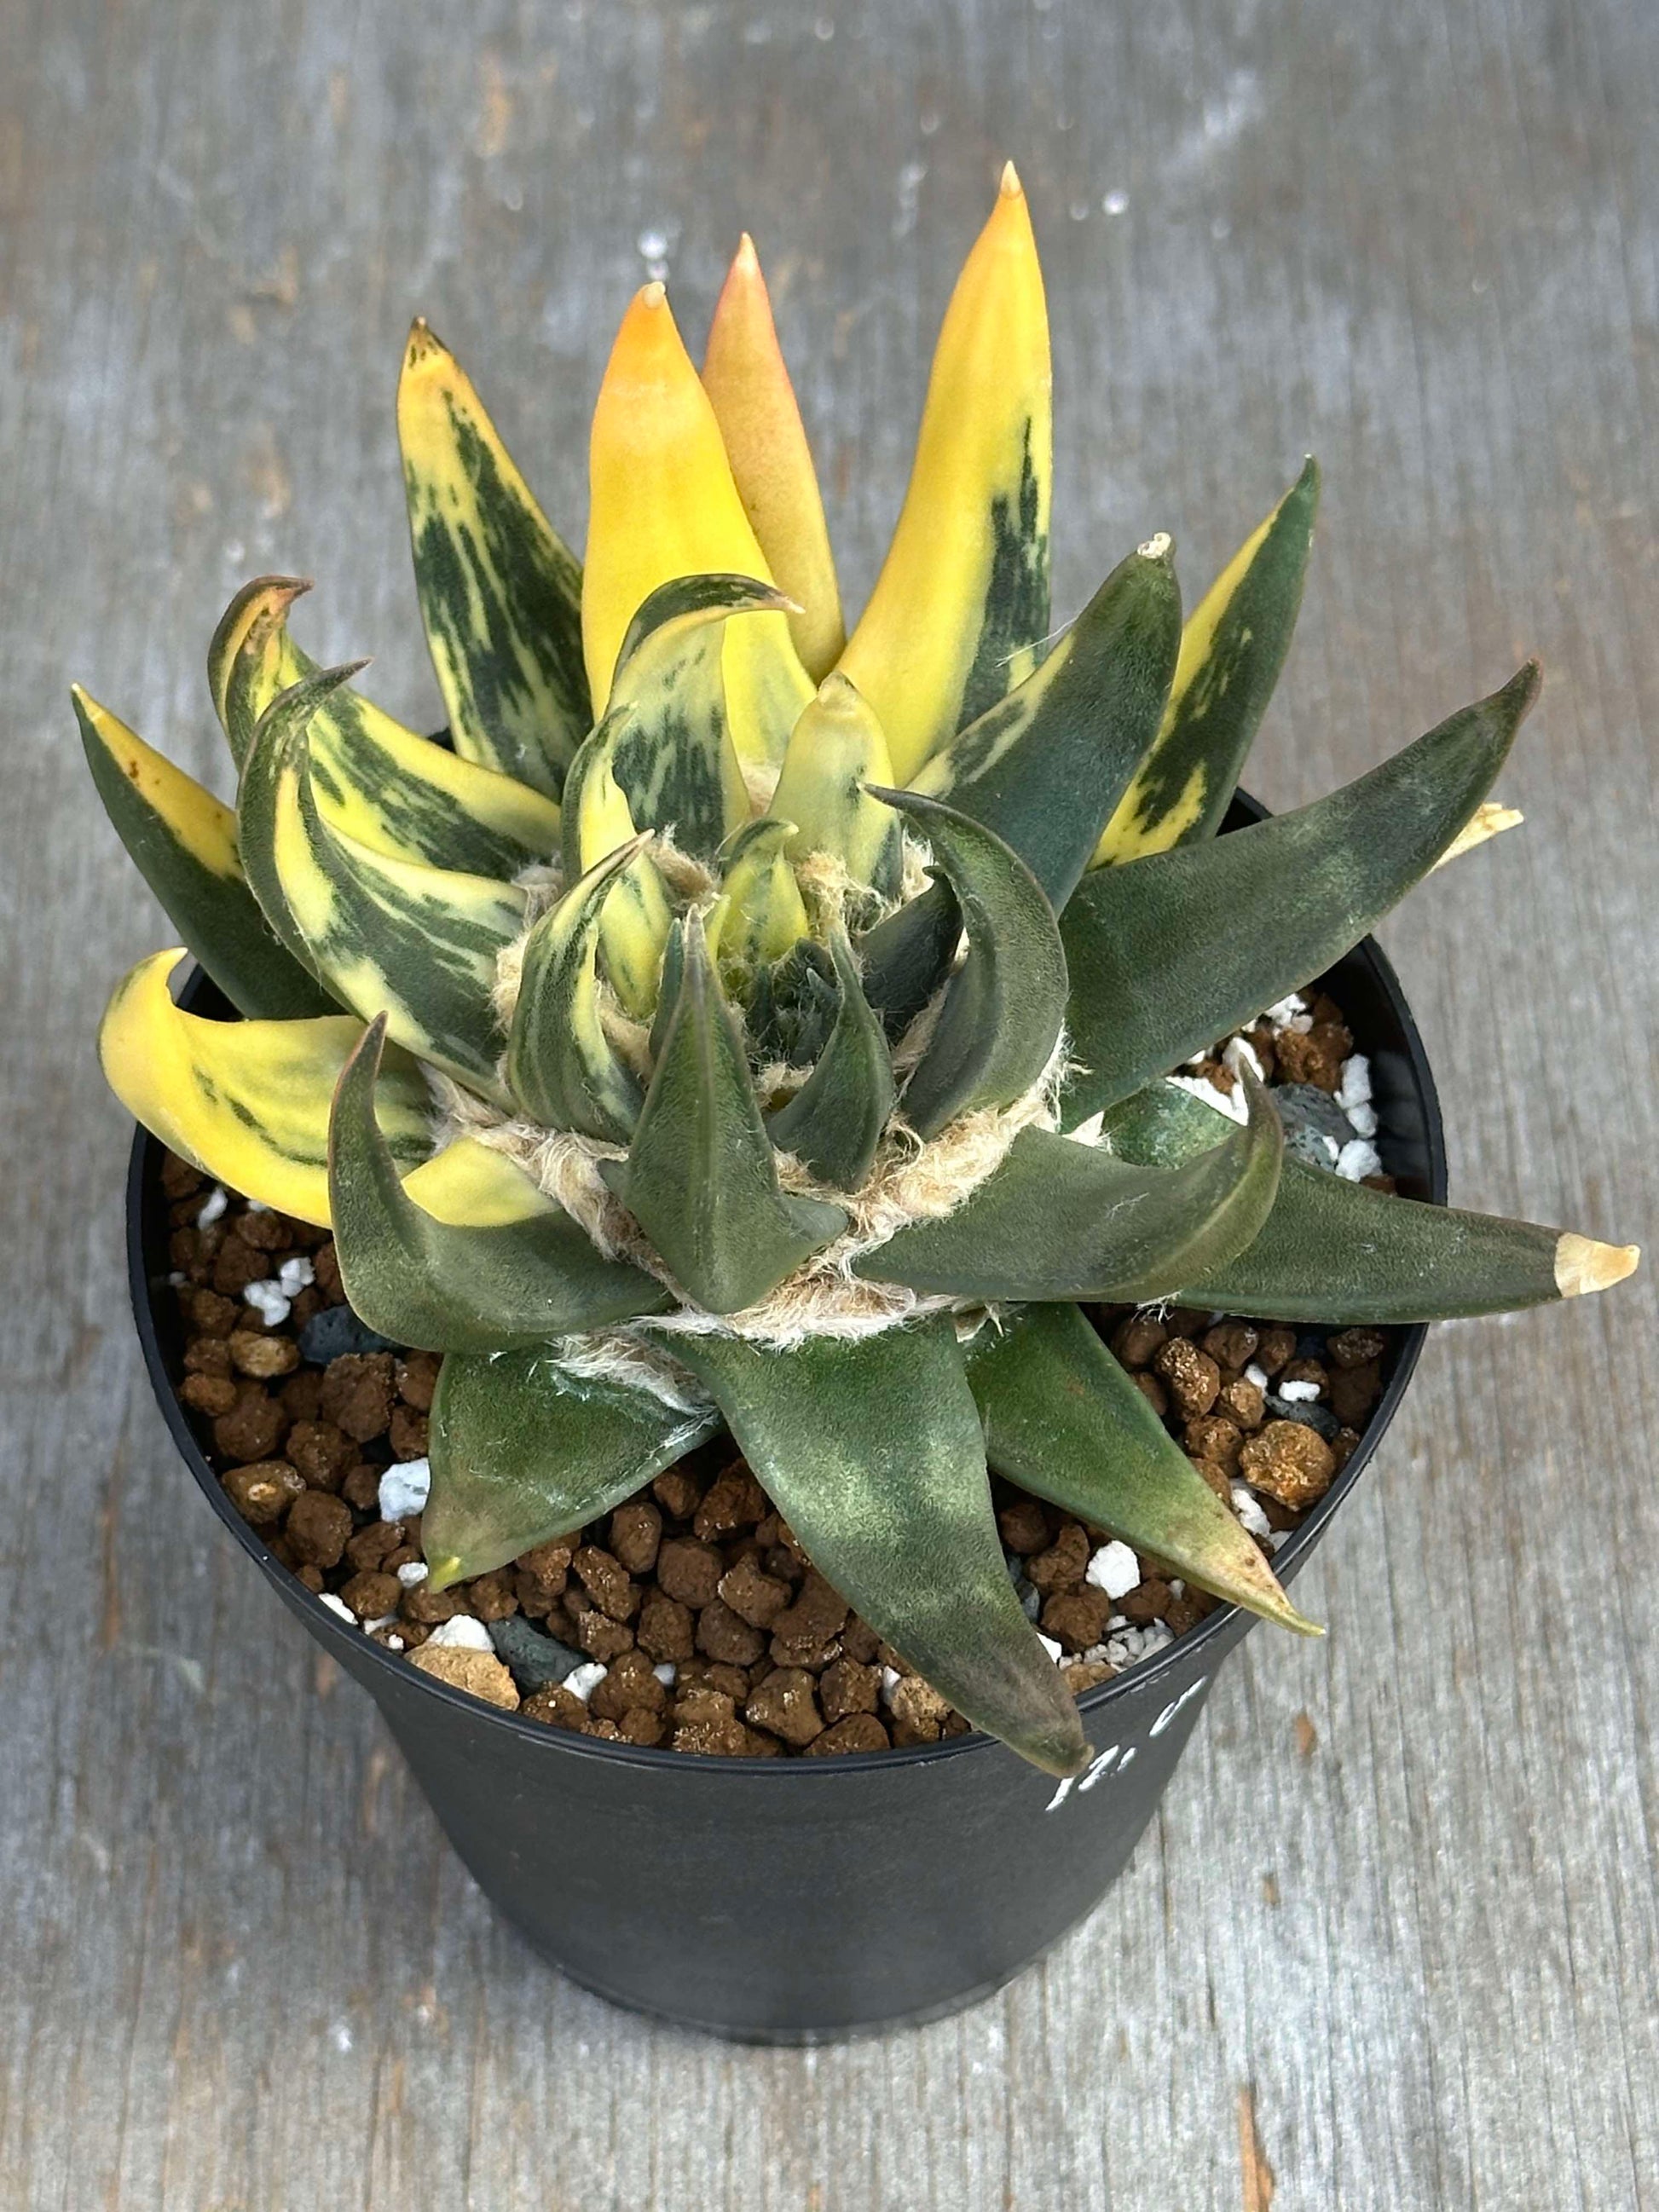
{"x": 412, "y": 1572}
{"x": 296, "y": 1275}
{"x": 1281, "y": 1015}
{"x": 1238, "y": 1054}
{"x": 1232, "y": 1106}
{"x": 666, "y": 1673}
{"x": 1298, "y": 1393}
{"x": 1113, "y": 1568}
{"x": 1257, "y": 1375}
{"x": 1133, "y": 1644}
{"x": 582, "y": 1681}
{"x": 1051, "y": 1648}
{"x": 890, "y": 1682}
{"x": 1358, "y": 1160}
{"x": 212, "y": 1206}
{"x": 338, "y": 1605}
{"x": 1251, "y": 1518}
{"x": 1361, "y": 1120}
{"x": 1354, "y": 1086}
{"x": 257, "y": 1205}
{"x": 269, "y": 1301}
{"x": 404, "y": 1490}
{"x": 465, "y": 1634}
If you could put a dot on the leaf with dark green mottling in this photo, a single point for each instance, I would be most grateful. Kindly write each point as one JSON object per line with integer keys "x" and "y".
{"x": 871, "y": 1451}
{"x": 522, "y": 1452}
{"x": 1065, "y": 1421}
{"x": 561, "y": 1066}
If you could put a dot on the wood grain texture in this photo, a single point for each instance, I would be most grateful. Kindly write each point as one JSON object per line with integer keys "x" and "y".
{"x": 1402, "y": 1894}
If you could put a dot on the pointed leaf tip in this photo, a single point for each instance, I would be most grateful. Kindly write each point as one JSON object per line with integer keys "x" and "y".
{"x": 1582, "y": 1264}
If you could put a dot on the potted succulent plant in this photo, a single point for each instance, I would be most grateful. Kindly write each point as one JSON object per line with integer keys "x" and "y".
{"x": 731, "y": 1034}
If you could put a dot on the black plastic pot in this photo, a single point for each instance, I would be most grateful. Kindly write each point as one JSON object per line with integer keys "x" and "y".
{"x": 797, "y": 1900}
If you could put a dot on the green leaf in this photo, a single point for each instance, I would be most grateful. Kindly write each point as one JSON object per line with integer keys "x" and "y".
{"x": 495, "y": 1264}
{"x": 907, "y": 957}
{"x": 834, "y": 1122}
{"x": 376, "y": 781}
{"x": 1004, "y": 1006}
{"x": 759, "y": 913}
{"x": 522, "y": 1452}
{"x": 1063, "y": 1420}
{"x": 1060, "y": 1220}
{"x": 1331, "y": 1250}
{"x": 836, "y": 749}
{"x": 1045, "y": 766}
{"x": 674, "y": 757}
{"x": 420, "y": 943}
{"x": 1231, "y": 652}
{"x": 185, "y": 844}
{"x": 1169, "y": 953}
{"x": 700, "y": 1176}
{"x": 871, "y": 1451}
{"x": 561, "y": 1066}
{"x": 500, "y": 593}
{"x": 597, "y": 819}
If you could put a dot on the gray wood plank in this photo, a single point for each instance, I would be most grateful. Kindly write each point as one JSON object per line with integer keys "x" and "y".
{"x": 1402, "y": 1894}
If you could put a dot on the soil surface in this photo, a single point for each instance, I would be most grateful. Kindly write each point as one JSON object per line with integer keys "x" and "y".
{"x": 689, "y": 1616}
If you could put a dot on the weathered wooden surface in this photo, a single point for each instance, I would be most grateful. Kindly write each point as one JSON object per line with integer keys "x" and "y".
{"x": 1418, "y": 1931}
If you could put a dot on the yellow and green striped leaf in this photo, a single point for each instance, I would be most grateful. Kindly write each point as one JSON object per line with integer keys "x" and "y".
{"x": 961, "y": 606}
{"x": 754, "y": 403}
{"x": 872, "y": 1450}
{"x": 523, "y": 1451}
{"x": 561, "y": 1066}
{"x": 699, "y": 1177}
{"x": 760, "y": 912}
{"x": 673, "y": 754}
{"x": 523, "y": 1273}
{"x": 184, "y": 842}
{"x": 1063, "y": 1420}
{"x": 376, "y": 781}
{"x": 836, "y": 749}
{"x": 664, "y": 505}
{"x": 634, "y": 921}
{"x": 247, "y": 1101}
{"x": 1231, "y": 651}
{"x": 420, "y": 943}
{"x": 1045, "y": 767}
{"x": 500, "y": 592}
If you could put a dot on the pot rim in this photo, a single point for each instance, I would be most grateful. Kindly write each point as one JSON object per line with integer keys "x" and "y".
{"x": 1145, "y": 1675}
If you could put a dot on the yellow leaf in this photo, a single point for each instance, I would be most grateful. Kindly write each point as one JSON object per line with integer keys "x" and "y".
{"x": 963, "y": 601}
{"x": 664, "y": 505}
{"x": 754, "y": 402}
{"x": 247, "y": 1101}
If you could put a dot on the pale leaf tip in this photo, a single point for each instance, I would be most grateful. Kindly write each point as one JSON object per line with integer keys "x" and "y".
{"x": 1584, "y": 1264}
{"x": 653, "y": 294}
{"x": 1158, "y": 547}
{"x": 745, "y": 259}
{"x": 1009, "y": 186}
